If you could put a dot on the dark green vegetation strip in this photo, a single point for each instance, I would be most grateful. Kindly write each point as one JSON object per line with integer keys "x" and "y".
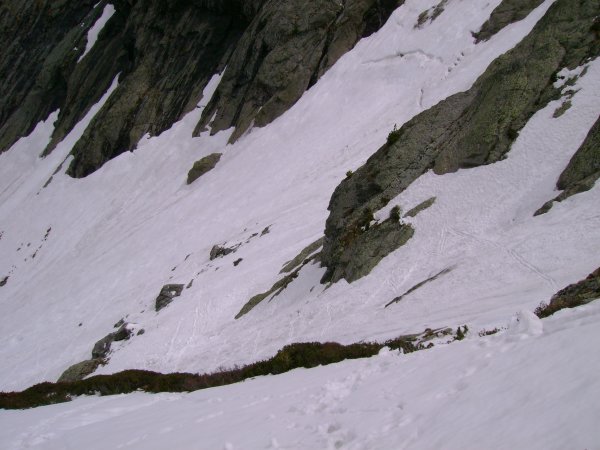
{"x": 291, "y": 357}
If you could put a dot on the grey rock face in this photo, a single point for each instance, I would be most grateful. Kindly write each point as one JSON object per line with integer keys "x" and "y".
{"x": 364, "y": 249}
{"x": 580, "y": 293}
{"x": 165, "y": 54}
{"x": 164, "y": 69}
{"x": 420, "y": 207}
{"x": 37, "y": 58}
{"x": 301, "y": 257}
{"x": 102, "y": 347}
{"x": 80, "y": 370}
{"x": 203, "y": 166}
{"x": 585, "y": 164}
{"x": 218, "y": 252}
{"x": 275, "y": 290}
{"x": 574, "y": 295}
{"x": 468, "y": 129}
{"x": 582, "y": 171}
{"x": 507, "y": 12}
{"x": 284, "y": 51}
{"x": 167, "y": 294}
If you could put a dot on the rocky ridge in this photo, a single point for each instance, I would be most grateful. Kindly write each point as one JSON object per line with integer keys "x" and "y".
{"x": 164, "y": 54}
{"x": 468, "y": 129}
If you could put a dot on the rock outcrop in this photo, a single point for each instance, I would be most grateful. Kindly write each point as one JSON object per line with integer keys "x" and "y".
{"x": 203, "y": 166}
{"x": 582, "y": 172}
{"x": 167, "y": 294}
{"x": 41, "y": 42}
{"x": 574, "y": 295}
{"x": 468, "y": 129}
{"x": 80, "y": 370}
{"x": 163, "y": 71}
{"x": 284, "y": 51}
{"x": 164, "y": 54}
{"x": 504, "y": 14}
{"x": 102, "y": 347}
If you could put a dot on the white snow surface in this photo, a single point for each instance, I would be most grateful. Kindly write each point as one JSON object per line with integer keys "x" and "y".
{"x": 95, "y": 30}
{"x": 518, "y": 389}
{"x": 83, "y": 253}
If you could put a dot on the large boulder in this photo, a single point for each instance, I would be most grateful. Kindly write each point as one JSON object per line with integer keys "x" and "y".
{"x": 102, "y": 347}
{"x": 80, "y": 370}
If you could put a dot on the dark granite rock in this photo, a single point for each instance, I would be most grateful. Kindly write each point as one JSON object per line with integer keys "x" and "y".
{"x": 203, "y": 166}
{"x": 576, "y": 294}
{"x": 301, "y": 257}
{"x": 102, "y": 347}
{"x": 468, "y": 129}
{"x": 284, "y": 51}
{"x": 218, "y": 251}
{"x": 80, "y": 370}
{"x": 420, "y": 207}
{"x": 37, "y": 59}
{"x": 165, "y": 53}
{"x": 167, "y": 294}
{"x": 507, "y": 12}
{"x": 582, "y": 171}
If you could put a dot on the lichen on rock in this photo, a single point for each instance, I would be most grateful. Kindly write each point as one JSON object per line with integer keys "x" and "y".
{"x": 80, "y": 370}
{"x": 203, "y": 166}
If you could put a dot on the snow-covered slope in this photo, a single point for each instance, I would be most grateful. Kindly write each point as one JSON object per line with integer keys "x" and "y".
{"x": 503, "y": 392}
{"x": 117, "y": 236}
{"x": 80, "y": 254}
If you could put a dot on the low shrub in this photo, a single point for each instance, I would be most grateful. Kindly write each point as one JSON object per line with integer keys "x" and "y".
{"x": 394, "y": 135}
{"x": 290, "y": 357}
{"x": 395, "y": 214}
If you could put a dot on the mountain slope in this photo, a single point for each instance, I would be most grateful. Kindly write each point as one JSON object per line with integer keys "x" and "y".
{"x": 77, "y": 255}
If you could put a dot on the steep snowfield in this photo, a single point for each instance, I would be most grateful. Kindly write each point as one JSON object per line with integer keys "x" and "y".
{"x": 532, "y": 386}
{"x": 93, "y": 32}
{"x": 116, "y": 237}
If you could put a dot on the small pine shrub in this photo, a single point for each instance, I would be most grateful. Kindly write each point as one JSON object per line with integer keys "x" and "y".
{"x": 423, "y": 17}
{"x": 366, "y": 219}
{"x": 543, "y": 310}
{"x": 395, "y": 214}
{"x": 512, "y": 134}
{"x": 394, "y": 135}
{"x": 483, "y": 333}
{"x": 349, "y": 174}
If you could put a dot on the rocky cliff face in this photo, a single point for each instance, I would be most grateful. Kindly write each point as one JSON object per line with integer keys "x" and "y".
{"x": 164, "y": 54}
{"x": 37, "y": 59}
{"x": 284, "y": 51}
{"x": 169, "y": 51}
{"x": 466, "y": 130}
